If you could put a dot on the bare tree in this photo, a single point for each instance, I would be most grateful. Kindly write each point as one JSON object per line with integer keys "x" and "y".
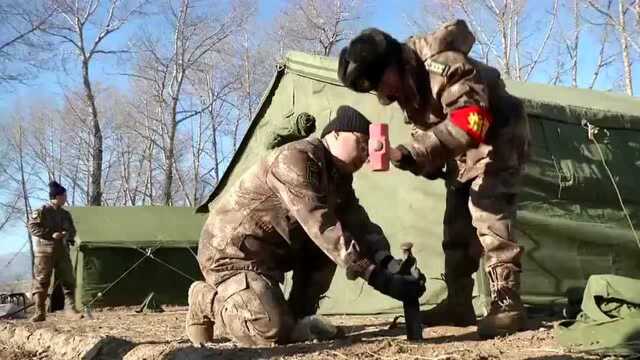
{"x": 21, "y": 46}
{"x": 507, "y": 33}
{"x": 627, "y": 36}
{"x": 317, "y": 26}
{"x": 19, "y": 145}
{"x": 197, "y": 31}
{"x": 572, "y": 43}
{"x": 73, "y": 26}
{"x": 16, "y": 173}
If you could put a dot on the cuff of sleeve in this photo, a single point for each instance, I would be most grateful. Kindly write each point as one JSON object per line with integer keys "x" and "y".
{"x": 407, "y": 161}
{"x": 382, "y": 258}
{"x": 360, "y": 269}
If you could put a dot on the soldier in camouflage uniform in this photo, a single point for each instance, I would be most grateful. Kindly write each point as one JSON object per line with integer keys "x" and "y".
{"x": 463, "y": 120}
{"x": 294, "y": 210}
{"x": 52, "y": 228}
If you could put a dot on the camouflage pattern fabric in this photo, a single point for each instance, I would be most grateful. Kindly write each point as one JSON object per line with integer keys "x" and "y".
{"x": 293, "y": 210}
{"x": 51, "y": 254}
{"x": 480, "y": 133}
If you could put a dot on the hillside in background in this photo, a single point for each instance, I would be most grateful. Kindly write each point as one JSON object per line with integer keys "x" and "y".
{"x": 15, "y": 267}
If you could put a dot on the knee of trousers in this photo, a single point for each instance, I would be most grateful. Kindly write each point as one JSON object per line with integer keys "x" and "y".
{"x": 200, "y": 297}
{"x": 42, "y": 275}
{"x": 498, "y": 250}
{"x": 252, "y": 311}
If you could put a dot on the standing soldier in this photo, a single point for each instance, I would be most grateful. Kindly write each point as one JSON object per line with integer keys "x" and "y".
{"x": 53, "y": 230}
{"x": 293, "y": 210}
{"x": 468, "y": 129}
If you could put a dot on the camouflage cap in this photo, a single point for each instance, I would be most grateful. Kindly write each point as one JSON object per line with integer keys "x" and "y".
{"x": 362, "y": 63}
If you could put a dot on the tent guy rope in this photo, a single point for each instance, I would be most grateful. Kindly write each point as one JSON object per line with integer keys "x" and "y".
{"x": 591, "y": 133}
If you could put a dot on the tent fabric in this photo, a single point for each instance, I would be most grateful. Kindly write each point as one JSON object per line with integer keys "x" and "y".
{"x": 121, "y": 254}
{"x": 136, "y": 226}
{"x": 570, "y": 220}
{"x": 610, "y": 317}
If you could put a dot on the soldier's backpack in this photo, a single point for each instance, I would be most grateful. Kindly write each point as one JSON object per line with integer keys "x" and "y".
{"x": 303, "y": 126}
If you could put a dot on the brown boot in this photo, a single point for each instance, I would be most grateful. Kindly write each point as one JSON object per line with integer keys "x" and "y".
{"x": 40, "y": 300}
{"x": 507, "y": 314}
{"x": 70, "y": 307}
{"x": 199, "y": 322}
{"x": 457, "y": 308}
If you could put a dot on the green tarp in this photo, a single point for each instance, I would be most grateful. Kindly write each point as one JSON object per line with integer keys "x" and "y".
{"x": 610, "y": 317}
{"x": 110, "y": 256}
{"x": 570, "y": 220}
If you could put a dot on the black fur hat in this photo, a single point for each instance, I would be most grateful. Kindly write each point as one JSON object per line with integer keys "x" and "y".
{"x": 363, "y": 62}
{"x": 55, "y": 189}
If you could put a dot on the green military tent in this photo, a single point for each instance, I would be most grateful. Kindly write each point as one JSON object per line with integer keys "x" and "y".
{"x": 570, "y": 219}
{"x": 122, "y": 254}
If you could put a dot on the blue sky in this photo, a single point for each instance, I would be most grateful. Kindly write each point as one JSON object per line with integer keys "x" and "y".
{"x": 388, "y": 15}
{"x": 52, "y": 84}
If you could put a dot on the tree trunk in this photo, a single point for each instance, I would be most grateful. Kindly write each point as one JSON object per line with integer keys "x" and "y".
{"x": 25, "y": 194}
{"x": 170, "y": 157}
{"x": 624, "y": 44}
{"x": 95, "y": 193}
{"x": 214, "y": 145}
{"x": 576, "y": 40}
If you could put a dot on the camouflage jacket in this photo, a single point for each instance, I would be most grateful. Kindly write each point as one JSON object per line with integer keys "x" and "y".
{"x": 293, "y": 195}
{"x": 46, "y": 221}
{"x": 471, "y": 113}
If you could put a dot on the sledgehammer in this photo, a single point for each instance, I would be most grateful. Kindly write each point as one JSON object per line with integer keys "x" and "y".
{"x": 379, "y": 147}
{"x": 411, "y": 307}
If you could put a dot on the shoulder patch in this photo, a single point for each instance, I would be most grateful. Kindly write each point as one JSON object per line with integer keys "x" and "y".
{"x": 436, "y": 67}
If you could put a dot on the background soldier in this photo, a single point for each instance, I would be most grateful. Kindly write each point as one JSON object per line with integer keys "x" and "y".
{"x": 461, "y": 117}
{"x": 53, "y": 231}
{"x": 294, "y": 210}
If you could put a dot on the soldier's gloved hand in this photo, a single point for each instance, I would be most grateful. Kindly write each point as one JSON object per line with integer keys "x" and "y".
{"x": 386, "y": 261}
{"x": 434, "y": 174}
{"x": 57, "y": 235}
{"x": 402, "y": 159}
{"x": 71, "y": 242}
{"x": 399, "y": 287}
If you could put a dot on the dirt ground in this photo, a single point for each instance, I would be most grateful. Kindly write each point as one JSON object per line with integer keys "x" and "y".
{"x": 130, "y": 335}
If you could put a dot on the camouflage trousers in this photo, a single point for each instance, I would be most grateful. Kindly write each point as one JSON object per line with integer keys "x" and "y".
{"x": 52, "y": 256}
{"x": 478, "y": 221}
{"x": 482, "y": 187}
{"x": 251, "y": 308}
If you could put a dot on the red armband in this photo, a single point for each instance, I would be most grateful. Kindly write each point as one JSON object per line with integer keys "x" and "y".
{"x": 474, "y": 120}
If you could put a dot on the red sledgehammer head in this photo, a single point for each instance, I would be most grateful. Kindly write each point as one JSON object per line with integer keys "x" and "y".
{"x": 379, "y": 147}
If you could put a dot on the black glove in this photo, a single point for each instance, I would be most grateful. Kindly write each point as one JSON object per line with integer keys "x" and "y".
{"x": 434, "y": 174}
{"x": 406, "y": 162}
{"x": 71, "y": 242}
{"x": 399, "y": 287}
{"x": 387, "y": 262}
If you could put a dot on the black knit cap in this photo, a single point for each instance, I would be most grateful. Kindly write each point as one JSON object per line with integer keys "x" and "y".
{"x": 363, "y": 62}
{"x": 347, "y": 119}
{"x": 56, "y": 189}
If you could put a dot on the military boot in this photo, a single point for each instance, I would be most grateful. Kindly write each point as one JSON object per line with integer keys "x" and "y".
{"x": 506, "y": 314}
{"x": 40, "y": 300}
{"x": 199, "y": 322}
{"x": 70, "y": 307}
{"x": 457, "y": 308}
